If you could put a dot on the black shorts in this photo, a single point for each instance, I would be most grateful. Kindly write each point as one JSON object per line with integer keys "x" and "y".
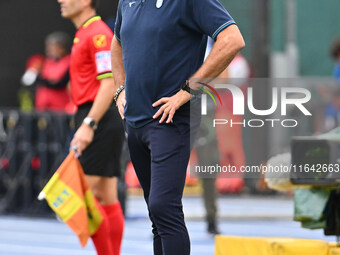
{"x": 102, "y": 156}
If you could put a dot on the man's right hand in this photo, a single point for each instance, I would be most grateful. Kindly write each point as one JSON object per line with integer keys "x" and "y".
{"x": 121, "y": 101}
{"x": 82, "y": 138}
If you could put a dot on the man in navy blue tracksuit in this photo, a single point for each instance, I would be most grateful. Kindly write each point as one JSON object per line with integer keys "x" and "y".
{"x": 157, "y": 56}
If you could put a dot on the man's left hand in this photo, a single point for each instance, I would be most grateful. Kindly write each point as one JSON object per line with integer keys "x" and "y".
{"x": 170, "y": 105}
{"x": 82, "y": 138}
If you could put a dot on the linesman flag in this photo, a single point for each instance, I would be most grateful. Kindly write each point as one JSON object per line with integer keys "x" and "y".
{"x": 69, "y": 196}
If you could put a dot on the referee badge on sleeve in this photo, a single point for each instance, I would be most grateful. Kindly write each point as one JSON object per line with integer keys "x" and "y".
{"x": 99, "y": 41}
{"x": 103, "y": 61}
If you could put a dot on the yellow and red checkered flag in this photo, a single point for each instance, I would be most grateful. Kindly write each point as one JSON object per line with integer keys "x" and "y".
{"x": 69, "y": 196}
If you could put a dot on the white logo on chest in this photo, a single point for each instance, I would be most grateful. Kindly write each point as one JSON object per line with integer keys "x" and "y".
{"x": 132, "y": 3}
{"x": 159, "y": 3}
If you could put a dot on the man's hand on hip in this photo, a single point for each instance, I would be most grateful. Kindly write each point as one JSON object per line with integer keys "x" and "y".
{"x": 170, "y": 105}
{"x": 82, "y": 138}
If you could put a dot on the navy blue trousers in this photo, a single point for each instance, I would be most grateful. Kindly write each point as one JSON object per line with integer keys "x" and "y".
{"x": 160, "y": 155}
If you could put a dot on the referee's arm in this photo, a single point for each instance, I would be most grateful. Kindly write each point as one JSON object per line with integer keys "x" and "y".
{"x": 118, "y": 73}
{"x": 103, "y": 99}
{"x": 84, "y": 135}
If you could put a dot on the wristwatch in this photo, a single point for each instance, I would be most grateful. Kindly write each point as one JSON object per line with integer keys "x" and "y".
{"x": 91, "y": 123}
{"x": 185, "y": 87}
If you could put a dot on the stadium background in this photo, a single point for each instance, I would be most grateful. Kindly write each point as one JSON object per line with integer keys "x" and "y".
{"x": 293, "y": 44}
{"x": 24, "y": 24}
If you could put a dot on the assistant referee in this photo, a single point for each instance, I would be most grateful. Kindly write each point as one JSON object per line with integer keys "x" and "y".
{"x": 100, "y": 133}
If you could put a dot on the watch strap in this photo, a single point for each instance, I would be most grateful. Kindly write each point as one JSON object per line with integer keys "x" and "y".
{"x": 185, "y": 87}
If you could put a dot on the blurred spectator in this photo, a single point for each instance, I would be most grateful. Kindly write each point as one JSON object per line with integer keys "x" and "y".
{"x": 51, "y": 74}
{"x": 230, "y": 142}
{"x": 26, "y": 93}
{"x": 224, "y": 144}
{"x": 335, "y": 52}
{"x": 33, "y": 68}
{"x": 329, "y": 117}
{"x": 208, "y": 155}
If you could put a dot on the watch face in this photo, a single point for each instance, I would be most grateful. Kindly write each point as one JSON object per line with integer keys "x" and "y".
{"x": 185, "y": 84}
{"x": 90, "y": 122}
